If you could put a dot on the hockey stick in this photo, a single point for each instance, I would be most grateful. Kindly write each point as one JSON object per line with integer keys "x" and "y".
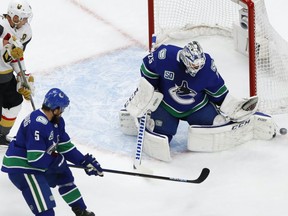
{"x": 142, "y": 125}
{"x": 25, "y": 82}
{"x": 140, "y": 139}
{"x": 203, "y": 175}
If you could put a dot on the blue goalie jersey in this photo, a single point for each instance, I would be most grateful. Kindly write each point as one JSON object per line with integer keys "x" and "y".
{"x": 183, "y": 94}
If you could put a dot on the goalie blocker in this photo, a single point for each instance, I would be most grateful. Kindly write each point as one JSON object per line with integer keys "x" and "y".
{"x": 144, "y": 99}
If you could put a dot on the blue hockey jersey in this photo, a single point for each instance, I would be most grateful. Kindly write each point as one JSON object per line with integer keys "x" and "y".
{"x": 183, "y": 94}
{"x": 36, "y": 143}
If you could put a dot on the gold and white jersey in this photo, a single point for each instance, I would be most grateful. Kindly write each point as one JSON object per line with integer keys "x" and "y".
{"x": 24, "y": 34}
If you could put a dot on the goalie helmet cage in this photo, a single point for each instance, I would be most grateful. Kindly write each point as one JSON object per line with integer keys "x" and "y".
{"x": 266, "y": 49}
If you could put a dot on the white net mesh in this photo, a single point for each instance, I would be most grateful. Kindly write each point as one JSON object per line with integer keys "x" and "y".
{"x": 180, "y": 19}
{"x": 271, "y": 64}
{"x": 185, "y": 18}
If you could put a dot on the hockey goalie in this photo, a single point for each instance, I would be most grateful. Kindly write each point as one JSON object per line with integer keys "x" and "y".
{"x": 183, "y": 84}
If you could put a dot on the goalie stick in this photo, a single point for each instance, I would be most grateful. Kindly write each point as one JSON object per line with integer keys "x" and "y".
{"x": 203, "y": 175}
{"x": 142, "y": 125}
{"x": 140, "y": 139}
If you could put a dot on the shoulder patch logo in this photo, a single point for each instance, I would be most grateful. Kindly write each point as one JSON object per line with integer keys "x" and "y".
{"x": 162, "y": 53}
{"x": 169, "y": 75}
{"x": 42, "y": 120}
{"x": 214, "y": 68}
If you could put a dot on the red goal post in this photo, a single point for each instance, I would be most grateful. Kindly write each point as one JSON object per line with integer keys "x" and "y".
{"x": 247, "y": 23}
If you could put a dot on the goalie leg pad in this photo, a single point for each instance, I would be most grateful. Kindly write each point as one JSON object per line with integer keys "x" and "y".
{"x": 156, "y": 146}
{"x": 127, "y": 123}
{"x": 264, "y": 126}
{"x": 219, "y": 138}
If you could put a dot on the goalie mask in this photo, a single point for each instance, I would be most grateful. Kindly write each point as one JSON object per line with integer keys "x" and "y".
{"x": 20, "y": 8}
{"x": 55, "y": 98}
{"x": 193, "y": 57}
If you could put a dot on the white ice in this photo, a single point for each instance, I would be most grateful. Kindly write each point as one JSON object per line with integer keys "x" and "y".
{"x": 92, "y": 49}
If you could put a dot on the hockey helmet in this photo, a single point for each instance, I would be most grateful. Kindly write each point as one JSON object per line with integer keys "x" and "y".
{"x": 193, "y": 57}
{"x": 20, "y": 8}
{"x": 55, "y": 98}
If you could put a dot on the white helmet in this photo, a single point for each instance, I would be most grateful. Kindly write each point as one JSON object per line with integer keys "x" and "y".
{"x": 20, "y": 8}
{"x": 193, "y": 57}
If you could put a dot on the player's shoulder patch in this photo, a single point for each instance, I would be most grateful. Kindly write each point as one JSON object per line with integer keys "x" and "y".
{"x": 162, "y": 53}
{"x": 213, "y": 66}
{"x": 42, "y": 120}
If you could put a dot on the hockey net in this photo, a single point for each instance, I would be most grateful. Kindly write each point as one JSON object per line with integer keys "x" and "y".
{"x": 243, "y": 21}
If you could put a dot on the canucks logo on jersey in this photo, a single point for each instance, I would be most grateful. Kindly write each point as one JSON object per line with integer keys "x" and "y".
{"x": 182, "y": 94}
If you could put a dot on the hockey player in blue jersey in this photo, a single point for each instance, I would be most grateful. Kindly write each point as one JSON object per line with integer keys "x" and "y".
{"x": 36, "y": 159}
{"x": 187, "y": 94}
{"x": 183, "y": 84}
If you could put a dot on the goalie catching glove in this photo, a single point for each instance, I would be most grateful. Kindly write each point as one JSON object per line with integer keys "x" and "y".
{"x": 238, "y": 110}
{"x": 91, "y": 165}
{"x": 25, "y": 89}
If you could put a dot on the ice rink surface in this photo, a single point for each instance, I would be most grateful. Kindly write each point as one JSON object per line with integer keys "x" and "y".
{"x": 92, "y": 50}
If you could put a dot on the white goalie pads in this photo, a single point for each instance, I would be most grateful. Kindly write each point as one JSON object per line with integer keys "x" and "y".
{"x": 156, "y": 146}
{"x": 219, "y": 138}
{"x": 145, "y": 98}
{"x": 238, "y": 110}
{"x": 128, "y": 124}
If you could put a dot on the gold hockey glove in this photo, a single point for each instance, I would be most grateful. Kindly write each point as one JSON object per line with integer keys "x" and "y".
{"x": 23, "y": 89}
{"x": 16, "y": 53}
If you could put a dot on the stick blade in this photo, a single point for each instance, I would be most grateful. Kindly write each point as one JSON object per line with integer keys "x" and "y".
{"x": 202, "y": 177}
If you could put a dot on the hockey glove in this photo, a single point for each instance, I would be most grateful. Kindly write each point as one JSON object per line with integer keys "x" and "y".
{"x": 16, "y": 53}
{"x": 238, "y": 110}
{"x": 14, "y": 46}
{"x": 92, "y": 167}
{"x": 58, "y": 165}
{"x": 22, "y": 88}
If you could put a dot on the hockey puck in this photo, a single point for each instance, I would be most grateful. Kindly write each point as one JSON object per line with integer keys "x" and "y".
{"x": 283, "y": 131}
